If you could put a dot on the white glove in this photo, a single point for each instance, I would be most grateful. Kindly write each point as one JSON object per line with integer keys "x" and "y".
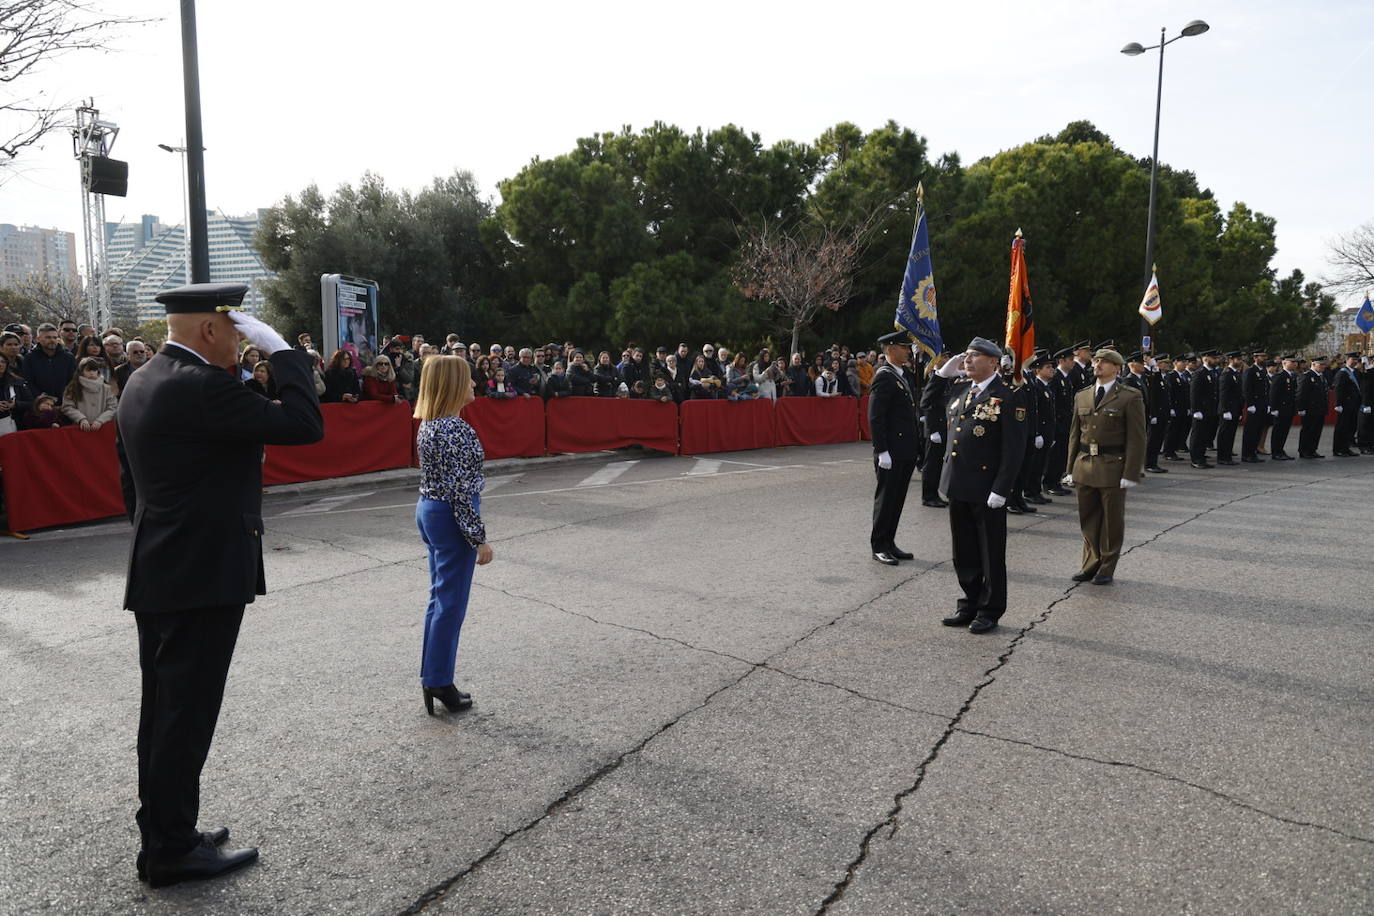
{"x": 1127, "y": 484}
{"x": 1250, "y": 409}
{"x": 1068, "y": 480}
{"x": 1339, "y": 408}
{"x": 1364, "y": 410}
{"x": 258, "y": 333}
{"x": 936, "y": 438}
{"x": 1302, "y": 413}
{"x": 1172, "y": 412}
{"x": 1227, "y": 415}
{"x": 1273, "y": 413}
{"x": 885, "y": 460}
{"x": 1154, "y": 420}
{"x": 1039, "y": 441}
{"x": 1197, "y": 415}
{"x": 995, "y": 501}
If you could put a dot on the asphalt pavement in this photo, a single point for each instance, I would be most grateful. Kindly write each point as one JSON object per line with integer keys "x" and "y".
{"x": 697, "y": 693}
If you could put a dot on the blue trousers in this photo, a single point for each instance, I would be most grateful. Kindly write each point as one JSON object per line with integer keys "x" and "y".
{"x": 451, "y": 562}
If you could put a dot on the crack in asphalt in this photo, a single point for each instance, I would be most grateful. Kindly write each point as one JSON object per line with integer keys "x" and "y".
{"x": 890, "y": 821}
{"x": 439, "y": 890}
{"x": 1169, "y": 777}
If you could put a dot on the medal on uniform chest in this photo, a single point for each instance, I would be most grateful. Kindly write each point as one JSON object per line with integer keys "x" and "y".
{"x": 979, "y": 430}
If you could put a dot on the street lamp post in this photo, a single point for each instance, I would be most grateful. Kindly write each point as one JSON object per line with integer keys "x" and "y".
{"x": 1196, "y": 27}
{"x": 185, "y": 212}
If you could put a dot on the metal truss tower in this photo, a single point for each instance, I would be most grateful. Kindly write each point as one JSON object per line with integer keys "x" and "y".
{"x": 92, "y": 140}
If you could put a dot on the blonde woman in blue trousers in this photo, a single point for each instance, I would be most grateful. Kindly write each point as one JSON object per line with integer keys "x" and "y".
{"x": 448, "y": 515}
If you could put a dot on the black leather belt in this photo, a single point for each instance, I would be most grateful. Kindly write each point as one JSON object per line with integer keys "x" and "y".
{"x": 1102, "y": 450}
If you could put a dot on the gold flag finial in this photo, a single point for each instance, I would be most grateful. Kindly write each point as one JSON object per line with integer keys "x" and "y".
{"x": 1154, "y": 268}
{"x": 920, "y": 193}
{"x": 1018, "y": 232}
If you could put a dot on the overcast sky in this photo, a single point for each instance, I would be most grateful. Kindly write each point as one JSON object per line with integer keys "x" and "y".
{"x": 1271, "y": 107}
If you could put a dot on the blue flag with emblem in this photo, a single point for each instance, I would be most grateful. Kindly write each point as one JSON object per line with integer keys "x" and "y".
{"x": 916, "y": 312}
{"x": 1364, "y": 318}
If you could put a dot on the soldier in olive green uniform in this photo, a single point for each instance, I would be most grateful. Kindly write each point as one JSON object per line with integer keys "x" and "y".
{"x": 1106, "y": 456}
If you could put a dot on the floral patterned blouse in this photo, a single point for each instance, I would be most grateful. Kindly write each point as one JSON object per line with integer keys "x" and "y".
{"x": 451, "y": 470}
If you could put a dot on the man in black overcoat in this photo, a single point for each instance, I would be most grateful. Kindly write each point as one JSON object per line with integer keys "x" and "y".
{"x": 1348, "y": 403}
{"x": 1158, "y": 410}
{"x": 987, "y": 442}
{"x": 1062, "y": 388}
{"x": 1202, "y": 403}
{"x": 1312, "y": 404}
{"x": 190, "y": 440}
{"x": 892, "y": 423}
{"x": 934, "y": 397}
{"x": 1283, "y": 406}
{"x": 1254, "y": 387}
{"x": 1230, "y": 406}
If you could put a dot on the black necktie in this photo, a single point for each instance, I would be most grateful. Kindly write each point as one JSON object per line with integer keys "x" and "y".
{"x": 1097, "y": 398}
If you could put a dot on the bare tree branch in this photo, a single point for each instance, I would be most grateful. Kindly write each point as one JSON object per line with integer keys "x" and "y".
{"x": 34, "y": 33}
{"x": 802, "y": 268}
{"x": 1351, "y": 257}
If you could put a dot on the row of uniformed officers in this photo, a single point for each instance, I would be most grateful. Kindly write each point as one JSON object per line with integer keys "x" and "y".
{"x": 988, "y": 442}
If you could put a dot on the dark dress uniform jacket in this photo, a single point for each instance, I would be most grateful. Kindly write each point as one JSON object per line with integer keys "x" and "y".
{"x": 1157, "y": 399}
{"x": 892, "y": 415}
{"x": 1283, "y": 393}
{"x": 986, "y": 441}
{"x": 1255, "y": 388}
{"x": 190, "y": 440}
{"x": 1202, "y": 396}
{"x": 1312, "y": 392}
{"x": 1230, "y": 397}
{"x": 1347, "y": 391}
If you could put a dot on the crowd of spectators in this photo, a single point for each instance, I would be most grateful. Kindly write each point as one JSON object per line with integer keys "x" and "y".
{"x": 64, "y": 375}
{"x": 69, "y": 375}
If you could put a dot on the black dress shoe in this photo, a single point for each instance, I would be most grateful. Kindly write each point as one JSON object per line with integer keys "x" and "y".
{"x": 454, "y": 700}
{"x": 1015, "y": 510}
{"x": 1172, "y": 458}
{"x": 1102, "y": 580}
{"x": 961, "y": 619}
{"x": 217, "y": 837}
{"x": 1227, "y": 462}
{"x": 1156, "y": 469}
{"x": 1251, "y": 459}
{"x": 886, "y": 559}
{"x": 205, "y": 860}
{"x": 1057, "y": 491}
{"x": 902, "y": 554}
{"x": 982, "y": 625}
{"x": 1204, "y": 465}
{"x": 1344, "y": 454}
{"x": 1039, "y": 500}
{"x": 935, "y": 503}
{"x": 1083, "y": 576}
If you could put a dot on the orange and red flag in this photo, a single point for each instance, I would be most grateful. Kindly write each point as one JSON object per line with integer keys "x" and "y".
{"x": 1020, "y": 314}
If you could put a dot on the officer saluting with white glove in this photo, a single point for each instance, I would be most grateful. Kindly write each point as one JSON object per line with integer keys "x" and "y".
{"x": 892, "y": 423}
{"x": 987, "y": 443}
{"x": 190, "y": 440}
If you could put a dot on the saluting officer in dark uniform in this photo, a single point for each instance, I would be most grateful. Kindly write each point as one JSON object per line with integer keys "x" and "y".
{"x": 892, "y": 422}
{"x": 190, "y": 440}
{"x": 1061, "y": 388}
{"x": 1230, "y": 407}
{"x": 1312, "y": 408}
{"x": 1254, "y": 387}
{"x": 987, "y": 440}
{"x": 1283, "y": 406}
{"x": 1158, "y": 401}
{"x": 1202, "y": 403}
{"x": 1348, "y": 403}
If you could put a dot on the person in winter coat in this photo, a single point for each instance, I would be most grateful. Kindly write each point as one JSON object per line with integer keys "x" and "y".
{"x": 15, "y": 397}
{"x": 89, "y": 401}
{"x": 341, "y": 380}
{"x": 379, "y": 382}
{"x": 764, "y": 378}
{"x": 44, "y": 414}
{"x": 852, "y": 380}
{"x": 802, "y": 384}
{"x": 498, "y": 387}
{"x": 557, "y": 385}
{"x": 607, "y": 378}
{"x": 317, "y": 370}
{"x": 261, "y": 381}
{"x": 580, "y": 377}
{"x": 705, "y": 382}
{"x": 660, "y": 390}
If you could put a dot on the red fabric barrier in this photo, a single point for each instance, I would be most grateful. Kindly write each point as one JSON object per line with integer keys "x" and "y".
{"x": 508, "y": 428}
{"x": 594, "y": 424}
{"x": 726, "y": 426}
{"x": 362, "y": 437}
{"x": 60, "y": 476}
{"x": 865, "y": 433}
{"x": 815, "y": 421}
